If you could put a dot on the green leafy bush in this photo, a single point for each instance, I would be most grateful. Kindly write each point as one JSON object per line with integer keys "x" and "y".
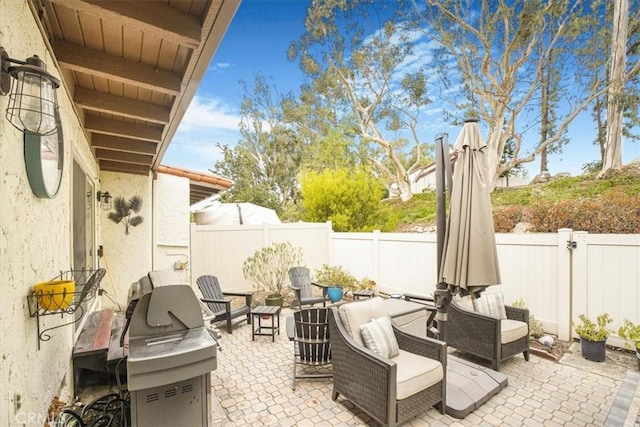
{"x": 365, "y": 283}
{"x": 630, "y": 331}
{"x": 349, "y": 199}
{"x": 268, "y": 267}
{"x": 591, "y": 331}
{"x": 335, "y": 275}
{"x": 535, "y": 326}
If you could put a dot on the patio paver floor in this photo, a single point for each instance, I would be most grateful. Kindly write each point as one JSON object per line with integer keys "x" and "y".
{"x": 252, "y": 386}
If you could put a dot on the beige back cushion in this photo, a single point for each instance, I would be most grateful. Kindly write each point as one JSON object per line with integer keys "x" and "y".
{"x": 464, "y": 302}
{"x": 357, "y": 313}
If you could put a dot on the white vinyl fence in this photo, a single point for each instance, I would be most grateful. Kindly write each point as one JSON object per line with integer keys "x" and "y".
{"x": 558, "y": 275}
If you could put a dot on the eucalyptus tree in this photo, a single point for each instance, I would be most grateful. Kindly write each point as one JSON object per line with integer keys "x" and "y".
{"x": 551, "y": 72}
{"x": 363, "y": 70}
{"x": 615, "y": 107}
{"x": 489, "y": 49}
{"x": 594, "y": 56}
{"x": 265, "y": 163}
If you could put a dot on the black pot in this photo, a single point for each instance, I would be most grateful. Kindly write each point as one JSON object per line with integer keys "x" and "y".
{"x": 593, "y": 350}
{"x": 274, "y": 299}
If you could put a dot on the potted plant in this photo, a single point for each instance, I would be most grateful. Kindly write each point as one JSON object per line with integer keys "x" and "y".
{"x": 631, "y": 331}
{"x": 268, "y": 269}
{"x": 593, "y": 336}
{"x": 336, "y": 278}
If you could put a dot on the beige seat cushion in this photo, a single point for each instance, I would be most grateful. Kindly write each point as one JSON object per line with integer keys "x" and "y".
{"x": 511, "y": 330}
{"x": 415, "y": 373}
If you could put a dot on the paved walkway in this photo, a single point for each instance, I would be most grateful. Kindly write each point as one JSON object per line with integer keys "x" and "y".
{"x": 252, "y": 386}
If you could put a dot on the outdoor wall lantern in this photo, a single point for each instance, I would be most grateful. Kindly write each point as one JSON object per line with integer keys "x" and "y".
{"x": 105, "y": 200}
{"x": 33, "y": 104}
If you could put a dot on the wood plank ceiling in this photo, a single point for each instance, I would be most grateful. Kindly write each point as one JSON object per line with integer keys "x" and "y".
{"x": 132, "y": 68}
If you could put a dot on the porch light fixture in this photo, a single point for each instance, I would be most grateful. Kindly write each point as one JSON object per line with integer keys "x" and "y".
{"x": 33, "y": 103}
{"x": 105, "y": 200}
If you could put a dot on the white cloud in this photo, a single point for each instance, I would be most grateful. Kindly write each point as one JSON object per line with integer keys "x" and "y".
{"x": 206, "y": 123}
{"x": 211, "y": 113}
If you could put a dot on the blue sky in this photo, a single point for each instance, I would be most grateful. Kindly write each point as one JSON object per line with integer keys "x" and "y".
{"x": 257, "y": 42}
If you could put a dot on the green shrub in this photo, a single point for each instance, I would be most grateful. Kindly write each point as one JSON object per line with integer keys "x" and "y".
{"x": 365, "y": 283}
{"x": 591, "y": 331}
{"x": 268, "y": 267}
{"x": 630, "y": 331}
{"x": 335, "y": 275}
{"x": 349, "y": 199}
{"x": 535, "y": 326}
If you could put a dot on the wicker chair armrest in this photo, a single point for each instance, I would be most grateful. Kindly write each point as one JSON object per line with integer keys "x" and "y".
{"x": 516, "y": 313}
{"x": 423, "y": 346}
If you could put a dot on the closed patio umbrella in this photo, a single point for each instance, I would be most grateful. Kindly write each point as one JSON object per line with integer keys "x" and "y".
{"x": 469, "y": 258}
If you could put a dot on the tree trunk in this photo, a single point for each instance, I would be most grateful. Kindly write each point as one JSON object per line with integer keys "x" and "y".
{"x": 545, "y": 82}
{"x": 598, "y": 112}
{"x": 404, "y": 188}
{"x": 613, "y": 152}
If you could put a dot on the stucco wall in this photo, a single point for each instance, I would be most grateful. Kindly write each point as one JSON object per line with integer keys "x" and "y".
{"x": 127, "y": 257}
{"x": 171, "y": 211}
{"x": 35, "y": 245}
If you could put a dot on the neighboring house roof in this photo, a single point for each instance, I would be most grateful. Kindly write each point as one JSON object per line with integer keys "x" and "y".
{"x": 132, "y": 68}
{"x": 201, "y": 186}
{"x": 431, "y": 167}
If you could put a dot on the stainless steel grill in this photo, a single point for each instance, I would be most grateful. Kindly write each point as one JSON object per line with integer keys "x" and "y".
{"x": 171, "y": 354}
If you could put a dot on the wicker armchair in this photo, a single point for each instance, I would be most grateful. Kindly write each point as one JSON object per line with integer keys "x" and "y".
{"x": 483, "y": 336}
{"x": 372, "y": 382}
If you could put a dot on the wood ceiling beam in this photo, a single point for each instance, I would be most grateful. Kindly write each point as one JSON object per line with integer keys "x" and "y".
{"x": 125, "y": 129}
{"x": 108, "y": 165}
{"x": 120, "y": 106}
{"x": 121, "y": 156}
{"x": 155, "y": 18}
{"x": 98, "y": 63}
{"x": 127, "y": 145}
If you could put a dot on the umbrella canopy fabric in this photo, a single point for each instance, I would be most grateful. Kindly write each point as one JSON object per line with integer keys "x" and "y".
{"x": 470, "y": 259}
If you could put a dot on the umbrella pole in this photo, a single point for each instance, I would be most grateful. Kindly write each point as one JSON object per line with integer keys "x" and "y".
{"x": 442, "y": 295}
